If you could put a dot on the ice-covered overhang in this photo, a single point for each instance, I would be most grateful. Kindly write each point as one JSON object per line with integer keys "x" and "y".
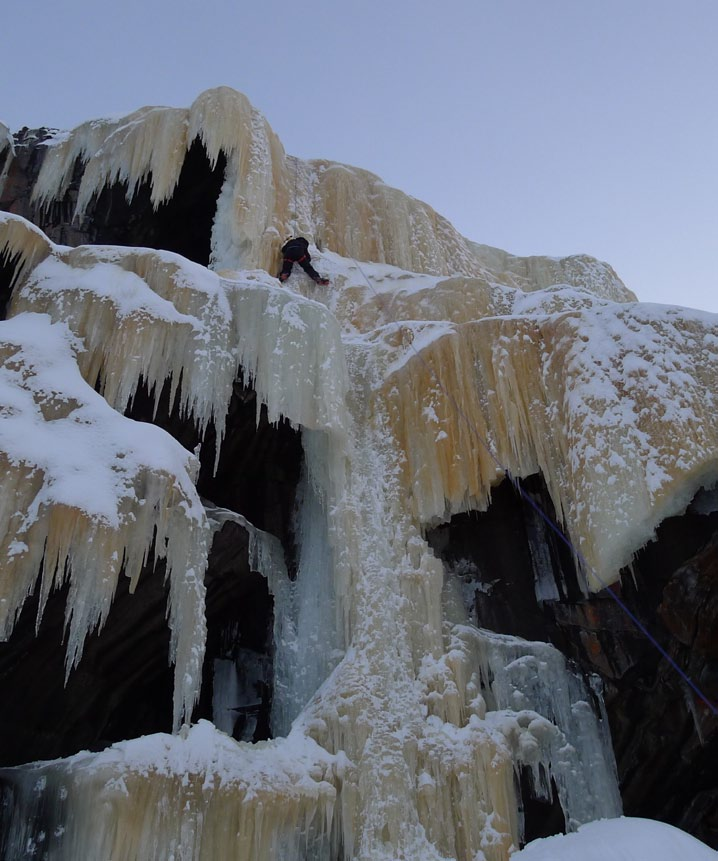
{"x": 267, "y": 194}
{"x": 87, "y": 493}
{"x": 612, "y": 403}
{"x": 152, "y": 316}
{"x": 91, "y": 492}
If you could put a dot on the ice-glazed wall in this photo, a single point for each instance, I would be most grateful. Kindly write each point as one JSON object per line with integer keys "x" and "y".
{"x": 87, "y": 493}
{"x": 410, "y": 752}
{"x": 538, "y": 272}
{"x": 7, "y": 152}
{"x": 404, "y": 728}
{"x": 612, "y": 403}
{"x": 198, "y": 794}
{"x": 268, "y": 194}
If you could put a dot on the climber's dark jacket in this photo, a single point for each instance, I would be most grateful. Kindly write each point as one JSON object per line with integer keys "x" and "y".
{"x": 296, "y": 250}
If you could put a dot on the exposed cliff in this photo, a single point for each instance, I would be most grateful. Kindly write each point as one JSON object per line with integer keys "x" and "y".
{"x": 354, "y": 442}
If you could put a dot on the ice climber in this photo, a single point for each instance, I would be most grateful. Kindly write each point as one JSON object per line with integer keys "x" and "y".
{"x": 296, "y": 250}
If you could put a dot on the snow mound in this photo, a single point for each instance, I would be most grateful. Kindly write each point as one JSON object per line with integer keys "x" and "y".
{"x": 624, "y": 839}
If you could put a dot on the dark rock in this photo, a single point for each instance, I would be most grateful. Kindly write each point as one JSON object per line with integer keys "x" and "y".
{"x": 665, "y": 736}
{"x": 183, "y": 224}
{"x": 689, "y": 608}
{"x": 123, "y": 685}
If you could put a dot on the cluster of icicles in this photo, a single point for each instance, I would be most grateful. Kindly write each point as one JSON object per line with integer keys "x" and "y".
{"x": 267, "y": 194}
{"x": 413, "y": 742}
{"x": 406, "y": 715}
{"x": 401, "y": 729}
{"x": 126, "y": 317}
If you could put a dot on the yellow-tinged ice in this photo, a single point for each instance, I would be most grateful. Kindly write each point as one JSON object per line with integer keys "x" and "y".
{"x": 611, "y": 403}
{"x": 414, "y": 393}
{"x": 152, "y": 316}
{"x": 23, "y": 243}
{"x": 86, "y": 493}
{"x": 555, "y": 381}
{"x": 199, "y": 795}
{"x": 267, "y": 194}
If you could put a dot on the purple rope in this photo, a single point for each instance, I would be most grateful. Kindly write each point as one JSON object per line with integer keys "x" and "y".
{"x": 548, "y": 520}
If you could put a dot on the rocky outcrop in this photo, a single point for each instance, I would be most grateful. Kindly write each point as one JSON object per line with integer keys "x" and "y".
{"x": 30, "y": 150}
{"x": 518, "y": 578}
{"x": 124, "y": 686}
{"x": 213, "y": 183}
{"x": 337, "y": 425}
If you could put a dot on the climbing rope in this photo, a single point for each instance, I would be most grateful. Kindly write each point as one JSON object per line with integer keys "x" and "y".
{"x": 555, "y": 528}
{"x": 296, "y": 197}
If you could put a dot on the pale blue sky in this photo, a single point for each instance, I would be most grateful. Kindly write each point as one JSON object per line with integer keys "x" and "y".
{"x": 540, "y": 126}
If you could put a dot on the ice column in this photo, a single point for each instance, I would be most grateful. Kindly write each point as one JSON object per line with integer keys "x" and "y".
{"x": 521, "y": 676}
{"x": 308, "y": 639}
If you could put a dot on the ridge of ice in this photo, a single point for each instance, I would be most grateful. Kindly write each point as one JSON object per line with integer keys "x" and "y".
{"x": 267, "y": 194}
{"x": 405, "y": 726}
{"x": 90, "y": 492}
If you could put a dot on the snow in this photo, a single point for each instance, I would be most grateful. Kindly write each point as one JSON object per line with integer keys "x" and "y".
{"x": 557, "y": 381}
{"x": 118, "y": 794}
{"x": 401, "y": 687}
{"x": 416, "y": 378}
{"x": 623, "y": 839}
{"x": 91, "y": 491}
{"x": 151, "y": 316}
{"x": 48, "y": 419}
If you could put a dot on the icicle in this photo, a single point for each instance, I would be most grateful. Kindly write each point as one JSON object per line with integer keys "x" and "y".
{"x": 89, "y": 516}
{"x": 266, "y": 194}
{"x": 143, "y": 315}
{"x": 152, "y": 316}
{"x": 416, "y": 724}
{"x": 305, "y": 380}
{"x": 149, "y": 144}
{"x": 225, "y": 694}
{"x": 307, "y": 642}
{"x": 307, "y": 636}
{"x": 266, "y": 557}
{"x": 245, "y": 231}
{"x": 222, "y": 119}
{"x": 7, "y": 153}
{"x": 22, "y": 240}
{"x": 60, "y": 158}
{"x": 566, "y": 741}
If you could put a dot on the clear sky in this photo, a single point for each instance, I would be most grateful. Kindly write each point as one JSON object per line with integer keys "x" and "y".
{"x": 539, "y": 126}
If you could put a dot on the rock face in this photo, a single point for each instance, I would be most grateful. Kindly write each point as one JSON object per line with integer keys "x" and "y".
{"x": 124, "y": 689}
{"x": 158, "y": 178}
{"x": 319, "y": 495}
{"x": 665, "y": 737}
